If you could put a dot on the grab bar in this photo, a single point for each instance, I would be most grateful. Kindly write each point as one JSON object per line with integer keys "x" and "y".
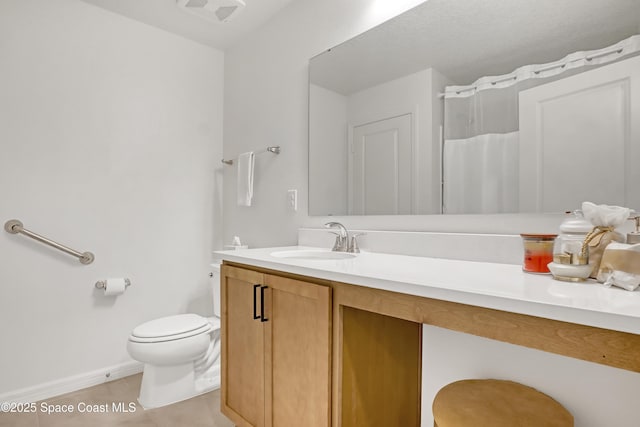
{"x": 14, "y": 226}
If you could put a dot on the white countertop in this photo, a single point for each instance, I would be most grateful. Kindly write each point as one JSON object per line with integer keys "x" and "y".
{"x": 498, "y": 286}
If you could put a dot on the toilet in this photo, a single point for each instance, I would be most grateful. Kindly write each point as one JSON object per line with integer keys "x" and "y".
{"x": 181, "y": 354}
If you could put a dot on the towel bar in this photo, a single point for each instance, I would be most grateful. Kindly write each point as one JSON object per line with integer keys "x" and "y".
{"x": 275, "y": 150}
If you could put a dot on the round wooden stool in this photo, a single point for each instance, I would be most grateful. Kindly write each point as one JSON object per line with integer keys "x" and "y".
{"x": 496, "y": 403}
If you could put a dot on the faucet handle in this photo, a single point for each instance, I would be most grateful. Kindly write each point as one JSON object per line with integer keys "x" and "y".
{"x": 353, "y": 243}
{"x": 340, "y": 244}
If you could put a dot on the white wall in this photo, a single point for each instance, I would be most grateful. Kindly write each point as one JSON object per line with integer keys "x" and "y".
{"x": 435, "y": 127}
{"x": 110, "y": 133}
{"x": 328, "y": 131}
{"x": 266, "y": 103}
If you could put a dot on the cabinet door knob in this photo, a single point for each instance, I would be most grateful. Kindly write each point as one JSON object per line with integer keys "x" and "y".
{"x": 210, "y": 274}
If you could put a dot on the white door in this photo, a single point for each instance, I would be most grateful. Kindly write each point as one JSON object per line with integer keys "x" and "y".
{"x": 380, "y": 167}
{"x": 593, "y": 119}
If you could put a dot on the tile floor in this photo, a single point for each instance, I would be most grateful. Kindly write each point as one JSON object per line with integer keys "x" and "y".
{"x": 203, "y": 410}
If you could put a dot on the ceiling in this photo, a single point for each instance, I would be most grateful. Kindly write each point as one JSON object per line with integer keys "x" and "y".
{"x": 166, "y": 15}
{"x": 466, "y": 40}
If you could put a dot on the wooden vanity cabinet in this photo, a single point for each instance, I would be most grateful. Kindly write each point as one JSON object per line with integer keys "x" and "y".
{"x": 276, "y": 350}
{"x": 343, "y": 355}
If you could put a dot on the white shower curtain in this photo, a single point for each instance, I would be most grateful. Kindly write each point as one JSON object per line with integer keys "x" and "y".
{"x": 480, "y": 156}
{"x": 483, "y": 179}
{"x": 480, "y": 153}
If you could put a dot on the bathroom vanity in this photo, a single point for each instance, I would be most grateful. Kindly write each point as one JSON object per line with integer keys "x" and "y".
{"x": 315, "y": 341}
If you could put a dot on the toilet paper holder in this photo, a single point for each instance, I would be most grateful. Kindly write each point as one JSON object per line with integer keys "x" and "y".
{"x": 101, "y": 284}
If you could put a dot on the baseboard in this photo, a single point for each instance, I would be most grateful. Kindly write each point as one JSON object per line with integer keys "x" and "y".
{"x": 73, "y": 383}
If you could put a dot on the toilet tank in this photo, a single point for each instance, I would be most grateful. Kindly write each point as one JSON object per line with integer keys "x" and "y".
{"x": 215, "y": 286}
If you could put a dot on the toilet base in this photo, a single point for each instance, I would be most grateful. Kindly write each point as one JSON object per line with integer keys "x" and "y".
{"x": 163, "y": 385}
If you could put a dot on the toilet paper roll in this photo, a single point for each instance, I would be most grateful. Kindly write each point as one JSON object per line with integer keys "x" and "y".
{"x": 115, "y": 286}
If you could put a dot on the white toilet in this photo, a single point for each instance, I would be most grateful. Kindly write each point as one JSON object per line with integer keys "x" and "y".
{"x": 181, "y": 354}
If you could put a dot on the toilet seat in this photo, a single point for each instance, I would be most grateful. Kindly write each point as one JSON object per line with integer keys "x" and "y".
{"x": 171, "y": 328}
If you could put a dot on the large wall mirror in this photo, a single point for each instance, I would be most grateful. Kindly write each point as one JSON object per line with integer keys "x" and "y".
{"x": 485, "y": 106}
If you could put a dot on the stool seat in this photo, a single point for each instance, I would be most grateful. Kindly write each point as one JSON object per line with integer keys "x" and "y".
{"x": 496, "y": 403}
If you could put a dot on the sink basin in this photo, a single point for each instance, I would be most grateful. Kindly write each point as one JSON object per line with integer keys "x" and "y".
{"x": 312, "y": 254}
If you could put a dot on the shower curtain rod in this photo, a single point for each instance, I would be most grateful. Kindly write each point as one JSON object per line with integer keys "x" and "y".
{"x": 536, "y": 72}
{"x": 625, "y": 47}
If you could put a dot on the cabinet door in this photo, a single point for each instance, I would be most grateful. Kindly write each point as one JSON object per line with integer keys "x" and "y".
{"x": 297, "y": 352}
{"x": 242, "y": 347}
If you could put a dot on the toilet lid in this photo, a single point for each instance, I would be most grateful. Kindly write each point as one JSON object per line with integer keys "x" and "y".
{"x": 172, "y": 327}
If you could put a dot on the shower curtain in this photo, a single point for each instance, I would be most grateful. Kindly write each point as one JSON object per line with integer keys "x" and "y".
{"x": 480, "y": 155}
{"x": 483, "y": 179}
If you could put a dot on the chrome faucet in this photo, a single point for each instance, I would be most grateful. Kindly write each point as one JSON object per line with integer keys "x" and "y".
{"x": 342, "y": 237}
{"x": 344, "y": 242}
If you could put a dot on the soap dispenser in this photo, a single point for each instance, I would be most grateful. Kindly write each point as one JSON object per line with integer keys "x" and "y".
{"x": 634, "y": 236}
{"x": 235, "y": 244}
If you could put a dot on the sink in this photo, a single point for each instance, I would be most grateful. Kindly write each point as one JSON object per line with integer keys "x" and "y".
{"x": 312, "y": 254}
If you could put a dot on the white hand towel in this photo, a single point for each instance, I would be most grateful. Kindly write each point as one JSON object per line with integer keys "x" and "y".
{"x": 245, "y": 178}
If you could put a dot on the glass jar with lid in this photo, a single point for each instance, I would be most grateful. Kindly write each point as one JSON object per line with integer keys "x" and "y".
{"x": 570, "y": 254}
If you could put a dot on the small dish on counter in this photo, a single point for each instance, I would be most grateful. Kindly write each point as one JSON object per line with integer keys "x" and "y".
{"x": 570, "y": 272}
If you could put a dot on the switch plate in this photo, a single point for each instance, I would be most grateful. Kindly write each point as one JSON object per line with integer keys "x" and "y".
{"x": 292, "y": 200}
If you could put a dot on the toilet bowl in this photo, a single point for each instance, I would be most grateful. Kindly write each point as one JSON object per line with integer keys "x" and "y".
{"x": 181, "y": 354}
